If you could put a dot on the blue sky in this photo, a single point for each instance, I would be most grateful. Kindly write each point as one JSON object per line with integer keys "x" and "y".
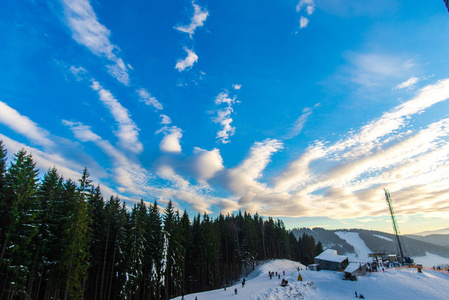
{"x": 303, "y": 110}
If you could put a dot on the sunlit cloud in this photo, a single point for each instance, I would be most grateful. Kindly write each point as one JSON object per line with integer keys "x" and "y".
{"x": 207, "y": 163}
{"x": 187, "y": 62}
{"x": 24, "y": 126}
{"x": 171, "y": 140}
{"x": 199, "y": 16}
{"x": 243, "y": 179}
{"x": 237, "y": 86}
{"x": 224, "y": 117}
{"x": 89, "y": 32}
{"x": 128, "y": 131}
{"x": 128, "y": 174}
{"x": 408, "y": 83}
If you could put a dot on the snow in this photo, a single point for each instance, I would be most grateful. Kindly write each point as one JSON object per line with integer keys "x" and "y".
{"x": 391, "y": 284}
{"x": 331, "y": 255}
{"x": 361, "y": 250}
{"x": 352, "y": 267}
{"x": 430, "y": 260}
{"x": 383, "y": 237}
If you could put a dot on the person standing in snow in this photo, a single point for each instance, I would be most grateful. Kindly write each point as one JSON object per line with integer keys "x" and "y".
{"x": 235, "y": 291}
{"x": 243, "y": 282}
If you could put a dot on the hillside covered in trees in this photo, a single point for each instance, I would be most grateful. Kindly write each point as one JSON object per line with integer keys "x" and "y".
{"x": 60, "y": 239}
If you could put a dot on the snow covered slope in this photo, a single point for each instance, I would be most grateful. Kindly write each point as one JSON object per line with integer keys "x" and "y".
{"x": 392, "y": 284}
{"x": 361, "y": 251}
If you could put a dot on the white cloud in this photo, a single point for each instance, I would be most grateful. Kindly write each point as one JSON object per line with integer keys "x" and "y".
{"x": 309, "y": 8}
{"x": 45, "y": 161}
{"x": 78, "y": 72}
{"x": 374, "y": 69}
{"x": 207, "y": 163}
{"x": 237, "y": 86}
{"x": 149, "y": 100}
{"x": 165, "y": 120}
{"x": 408, "y": 83}
{"x": 128, "y": 131}
{"x": 299, "y": 123}
{"x": 224, "y": 117}
{"x": 242, "y": 180}
{"x": 127, "y": 173}
{"x": 188, "y": 62}
{"x": 87, "y": 31}
{"x": 303, "y": 22}
{"x": 199, "y": 16}
{"x": 361, "y": 144}
{"x": 309, "y": 4}
{"x": 24, "y": 126}
{"x": 171, "y": 139}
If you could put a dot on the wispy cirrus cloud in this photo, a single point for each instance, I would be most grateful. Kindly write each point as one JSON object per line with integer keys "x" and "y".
{"x": 407, "y": 84}
{"x": 149, "y": 100}
{"x": 128, "y": 131}
{"x": 299, "y": 123}
{"x": 89, "y": 32}
{"x": 348, "y": 175}
{"x": 224, "y": 117}
{"x": 24, "y": 126}
{"x": 370, "y": 137}
{"x": 130, "y": 175}
{"x": 199, "y": 16}
{"x": 187, "y": 62}
{"x": 376, "y": 69}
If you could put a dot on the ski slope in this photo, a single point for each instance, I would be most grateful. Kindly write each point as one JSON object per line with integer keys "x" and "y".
{"x": 392, "y": 284}
{"x": 361, "y": 251}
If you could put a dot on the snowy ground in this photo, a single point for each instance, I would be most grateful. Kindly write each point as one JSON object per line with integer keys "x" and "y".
{"x": 361, "y": 250}
{"x": 392, "y": 284}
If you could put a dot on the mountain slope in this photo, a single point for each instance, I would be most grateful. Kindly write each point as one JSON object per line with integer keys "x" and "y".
{"x": 374, "y": 240}
{"x": 392, "y": 284}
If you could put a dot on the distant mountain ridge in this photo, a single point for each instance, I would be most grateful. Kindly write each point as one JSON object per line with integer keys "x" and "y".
{"x": 377, "y": 241}
{"x": 433, "y": 232}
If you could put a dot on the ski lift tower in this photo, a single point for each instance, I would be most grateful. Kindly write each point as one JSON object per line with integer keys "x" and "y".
{"x": 396, "y": 229}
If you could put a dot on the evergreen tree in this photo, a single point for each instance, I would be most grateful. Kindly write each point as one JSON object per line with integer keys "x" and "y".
{"x": 76, "y": 253}
{"x": 17, "y": 250}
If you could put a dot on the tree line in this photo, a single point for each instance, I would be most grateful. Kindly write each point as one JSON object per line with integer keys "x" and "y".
{"x": 60, "y": 239}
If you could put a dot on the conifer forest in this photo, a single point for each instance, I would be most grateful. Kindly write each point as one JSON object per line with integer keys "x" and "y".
{"x": 60, "y": 239}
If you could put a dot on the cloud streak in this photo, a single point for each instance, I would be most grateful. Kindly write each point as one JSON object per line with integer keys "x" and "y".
{"x": 128, "y": 174}
{"x": 24, "y": 126}
{"x": 128, "y": 131}
{"x": 89, "y": 32}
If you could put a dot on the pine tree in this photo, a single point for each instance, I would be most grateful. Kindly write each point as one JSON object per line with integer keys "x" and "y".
{"x": 76, "y": 255}
{"x": 136, "y": 250}
{"x": 20, "y": 189}
{"x": 97, "y": 230}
